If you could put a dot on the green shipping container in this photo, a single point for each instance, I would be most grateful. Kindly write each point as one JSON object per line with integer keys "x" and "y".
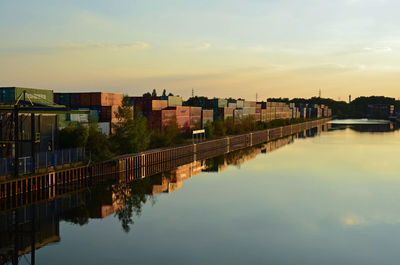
{"x": 65, "y": 99}
{"x": 220, "y": 103}
{"x": 9, "y": 95}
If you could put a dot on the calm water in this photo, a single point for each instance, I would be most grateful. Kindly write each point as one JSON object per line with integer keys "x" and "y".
{"x": 329, "y": 199}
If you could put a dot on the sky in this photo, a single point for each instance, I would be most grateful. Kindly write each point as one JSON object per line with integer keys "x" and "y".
{"x": 218, "y": 48}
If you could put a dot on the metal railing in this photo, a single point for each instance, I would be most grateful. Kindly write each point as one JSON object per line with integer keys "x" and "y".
{"x": 43, "y": 160}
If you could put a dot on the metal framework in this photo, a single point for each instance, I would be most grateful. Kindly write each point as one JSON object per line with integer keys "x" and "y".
{"x": 12, "y": 120}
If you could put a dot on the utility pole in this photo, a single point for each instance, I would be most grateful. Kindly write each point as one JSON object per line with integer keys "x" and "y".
{"x": 192, "y": 92}
{"x": 319, "y": 93}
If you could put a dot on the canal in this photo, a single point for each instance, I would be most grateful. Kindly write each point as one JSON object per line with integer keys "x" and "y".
{"x": 319, "y": 197}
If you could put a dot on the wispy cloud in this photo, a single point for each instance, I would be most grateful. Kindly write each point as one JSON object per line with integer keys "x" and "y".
{"x": 132, "y": 45}
{"x": 378, "y": 49}
{"x": 136, "y": 45}
{"x": 204, "y": 46}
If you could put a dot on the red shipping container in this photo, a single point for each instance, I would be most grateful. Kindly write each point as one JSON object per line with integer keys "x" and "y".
{"x": 85, "y": 99}
{"x": 208, "y": 113}
{"x": 195, "y": 111}
{"x": 183, "y": 123}
{"x": 182, "y": 111}
{"x": 75, "y": 100}
{"x": 195, "y": 122}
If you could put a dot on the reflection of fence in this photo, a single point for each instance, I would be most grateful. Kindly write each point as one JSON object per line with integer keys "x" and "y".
{"x": 43, "y": 160}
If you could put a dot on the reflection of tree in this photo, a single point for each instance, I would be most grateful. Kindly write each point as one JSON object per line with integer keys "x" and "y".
{"x": 79, "y": 215}
{"x": 373, "y": 128}
{"x": 133, "y": 196}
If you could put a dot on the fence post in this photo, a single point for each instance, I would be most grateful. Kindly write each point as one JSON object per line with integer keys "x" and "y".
{"x": 46, "y": 159}
{"x": 32, "y": 165}
{"x": 55, "y": 160}
{"x": 5, "y": 165}
{"x": 24, "y": 165}
{"x": 69, "y": 155}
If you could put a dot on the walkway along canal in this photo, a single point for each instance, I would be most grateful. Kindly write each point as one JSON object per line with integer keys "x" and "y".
{"x": 140, "y": 165}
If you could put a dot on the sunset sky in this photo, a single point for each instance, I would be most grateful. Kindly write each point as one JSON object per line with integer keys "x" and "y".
{"x": 223, "y": 48}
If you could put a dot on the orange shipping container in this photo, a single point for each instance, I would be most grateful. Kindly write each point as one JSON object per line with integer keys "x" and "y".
{"x": 105, "y": 99}
{"x": 159, "y": 104}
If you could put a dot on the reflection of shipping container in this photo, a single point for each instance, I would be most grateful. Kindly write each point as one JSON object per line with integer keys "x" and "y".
{"x": 9, "y": 95}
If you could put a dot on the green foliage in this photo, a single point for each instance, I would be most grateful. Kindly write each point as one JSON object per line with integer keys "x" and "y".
{"x": 73, "y": 136}
{"x": 131, "y": 135}
{"x": 164, "y": 93}
{"x": 98, "y": 143}
{"x": 169, "y": 136}
{"x": 209, "y": 130}
{"x": 147, "y": 94}
{"x": 219, "y": 128}
{"x": 154, "y": 93}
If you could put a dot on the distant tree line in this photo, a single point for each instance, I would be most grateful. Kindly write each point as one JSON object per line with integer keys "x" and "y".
{"x": 358, "y": 108}
{"x": 154, "y": 94}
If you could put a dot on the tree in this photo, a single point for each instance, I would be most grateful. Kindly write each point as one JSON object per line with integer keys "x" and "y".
{"x": 154, "y": 93}
{"x": 164, "y": 93}
{"x": 131, "y": 135}
{"x": 73, "y": 136}
{"x": 170, "y": 135}
{"x": 170, "y": 94}
{"x": 209, "y": 130}
{"x": 146, "y": 95}
{"x": 98, "y": 143}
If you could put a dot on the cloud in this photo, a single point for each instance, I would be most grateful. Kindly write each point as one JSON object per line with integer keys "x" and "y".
{"x": 130, "y": 45}
{"x": 378, "y": 49}
{"x": 204, "y": 46}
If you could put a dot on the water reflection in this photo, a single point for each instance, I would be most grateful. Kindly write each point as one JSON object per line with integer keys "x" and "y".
{"x": 30, "y": 227}
{"x": 369, "y": 126}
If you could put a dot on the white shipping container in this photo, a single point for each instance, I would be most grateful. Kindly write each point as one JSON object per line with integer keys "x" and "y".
{"x": 104, "y": 127}
{"x": 80, "y": 117}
